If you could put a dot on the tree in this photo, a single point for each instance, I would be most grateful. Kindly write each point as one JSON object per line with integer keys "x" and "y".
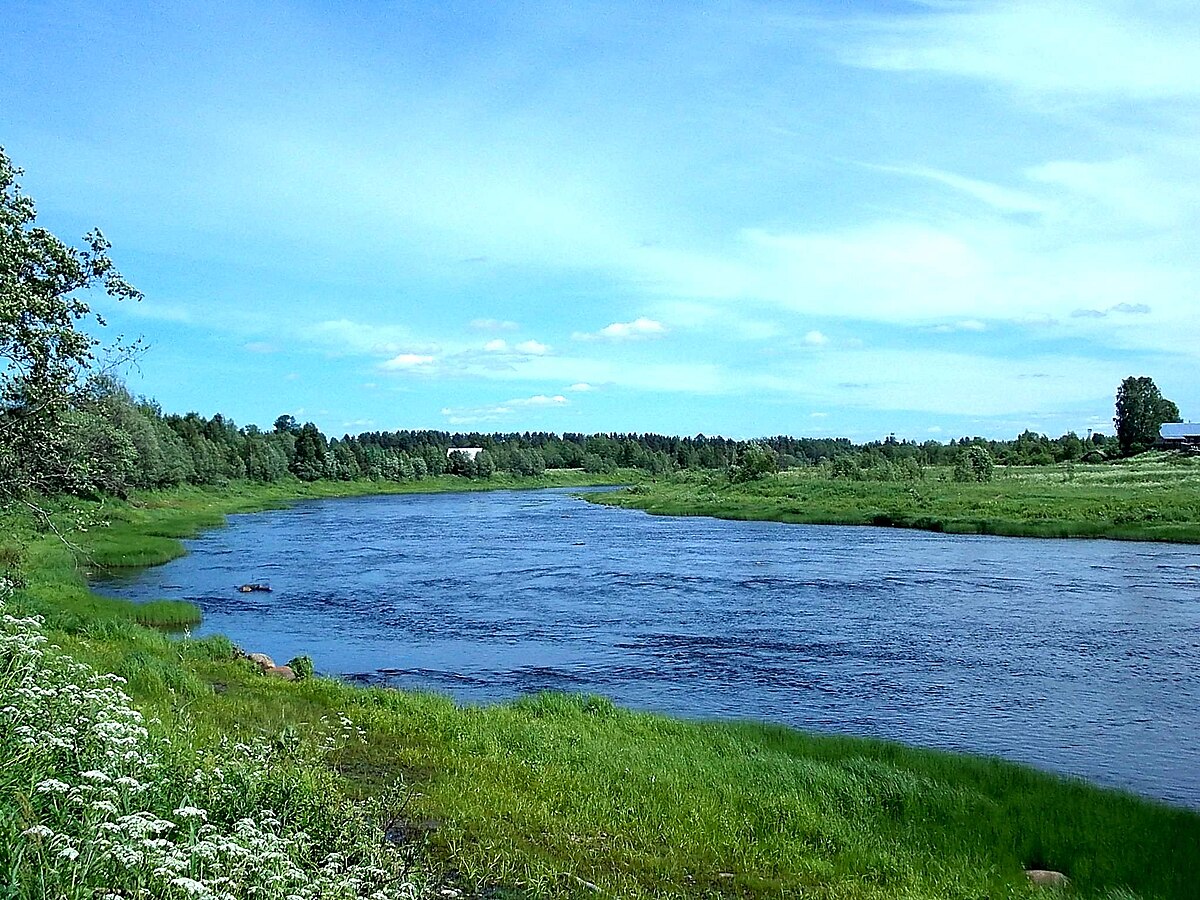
{"x": 44, "y": 351}
{"x": 752, "y": 462}
{"x": 1141, "y": 412}
{"x": 311, "y": 449}
{"x": 974, "y": 463}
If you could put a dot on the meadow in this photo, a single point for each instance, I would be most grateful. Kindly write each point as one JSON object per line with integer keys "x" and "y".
{"x": 1154, "y": 497}
{"x": 219, "y": 781}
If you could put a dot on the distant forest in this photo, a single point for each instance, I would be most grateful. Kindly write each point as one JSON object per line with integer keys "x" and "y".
{"x": 113, "y": 443}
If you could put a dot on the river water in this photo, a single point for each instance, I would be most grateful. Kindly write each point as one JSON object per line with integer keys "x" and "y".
{"x": 1082, "y": 657}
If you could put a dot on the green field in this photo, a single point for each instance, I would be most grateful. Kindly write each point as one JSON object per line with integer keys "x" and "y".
{"x": 1155, "y": 497}
{"x": 550, "y": 796}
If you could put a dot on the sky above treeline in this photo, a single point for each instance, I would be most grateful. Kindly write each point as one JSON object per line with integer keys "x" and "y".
{"x": 850, "y": 219}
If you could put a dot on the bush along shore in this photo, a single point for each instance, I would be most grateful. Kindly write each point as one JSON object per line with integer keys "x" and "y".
{"x": 134, "y": 763}
{"x": 1153, "y": 497}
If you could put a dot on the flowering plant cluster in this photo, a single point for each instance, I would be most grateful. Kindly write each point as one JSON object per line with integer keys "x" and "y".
{"x": 95, "y": 805}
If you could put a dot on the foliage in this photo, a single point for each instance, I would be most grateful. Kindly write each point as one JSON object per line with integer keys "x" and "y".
{"x": 974, "y": 464}
{"x": 752, "y": 462}
{"x": 47, "y": 445}
{"x": 302, "y": 666}
{"x": 1141, "y": 412}
{"x": 105, "y": 806}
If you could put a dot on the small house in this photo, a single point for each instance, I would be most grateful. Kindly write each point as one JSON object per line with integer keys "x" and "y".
{"x": 1179, "y": 436}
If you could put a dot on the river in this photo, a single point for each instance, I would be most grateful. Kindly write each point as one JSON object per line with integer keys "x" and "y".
{"x": 1081, "y": 657}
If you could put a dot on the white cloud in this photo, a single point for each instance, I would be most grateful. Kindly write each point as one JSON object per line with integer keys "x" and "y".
{"x": 493, "y": 325}
{"x": 580, "y": 387}
{"x": 621, "y": 331}
{"x": 815, "y": 339}
{"x": 540, "y": 400}
{"x": 407, "y": 361}
{"x": 533, "y": 348}
{"x": 963, "y": 325}
{"x": 497, "y": 346}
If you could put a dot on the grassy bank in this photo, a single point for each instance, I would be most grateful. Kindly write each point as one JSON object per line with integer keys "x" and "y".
{"x": 551, "y": 795}
{"x": 1151, "y": 498}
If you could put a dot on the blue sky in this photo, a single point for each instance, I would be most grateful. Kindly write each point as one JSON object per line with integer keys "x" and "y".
{"x": 934, "y": 219}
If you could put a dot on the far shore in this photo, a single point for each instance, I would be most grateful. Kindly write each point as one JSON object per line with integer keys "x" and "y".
{"x": 1151, "y": 498}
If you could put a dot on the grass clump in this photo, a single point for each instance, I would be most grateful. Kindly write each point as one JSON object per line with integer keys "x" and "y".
{"x": 302, "y": 666}
{"x": 170, "y": 614}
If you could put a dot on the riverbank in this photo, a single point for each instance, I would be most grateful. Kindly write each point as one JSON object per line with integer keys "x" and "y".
{"x": 1152, "y": 498}
{"x": 547, "y": 795}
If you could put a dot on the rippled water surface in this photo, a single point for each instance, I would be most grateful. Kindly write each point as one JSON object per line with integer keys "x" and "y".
{"x": 1077, "y": 656}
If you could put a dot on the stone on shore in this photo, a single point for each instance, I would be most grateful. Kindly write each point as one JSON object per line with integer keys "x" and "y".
{"x": 261, "y": 660}
{"x": 284, "y": 672}
{"x": 1047, "y": 878}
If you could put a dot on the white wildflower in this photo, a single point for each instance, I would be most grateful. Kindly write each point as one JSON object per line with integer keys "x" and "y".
{"x": 193, "y": 887}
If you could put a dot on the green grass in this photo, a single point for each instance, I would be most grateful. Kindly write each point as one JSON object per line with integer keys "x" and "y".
{"x": 546, "y": 794}
{"x": 1152, "y": 498}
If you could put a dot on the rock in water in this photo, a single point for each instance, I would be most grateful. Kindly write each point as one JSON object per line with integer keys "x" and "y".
{"x": 1047, "y": 878}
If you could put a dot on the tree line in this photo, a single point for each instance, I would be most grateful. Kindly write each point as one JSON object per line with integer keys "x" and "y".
{"x": 110, "y": 442}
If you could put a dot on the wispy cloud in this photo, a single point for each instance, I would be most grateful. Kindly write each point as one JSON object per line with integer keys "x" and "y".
{"x": 973, "y": 325}
{"x": 1129, "y": 309}
{"x": 625, "y": 331}
{"x": 494, "y": 325}
{"x": 482, "y": 414}
{"x": 1104, "y": 48}
{"x": 349, "y": 336}
{"x": 993, "y": 195}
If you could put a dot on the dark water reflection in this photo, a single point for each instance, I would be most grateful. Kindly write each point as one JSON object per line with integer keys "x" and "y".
{"x": 1077, "y": 656}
